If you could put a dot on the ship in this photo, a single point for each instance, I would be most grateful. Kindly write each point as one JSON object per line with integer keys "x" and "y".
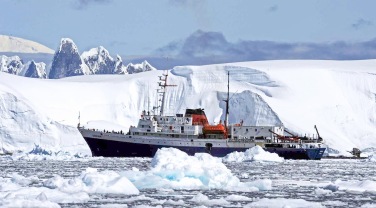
{"x": 191, "y": 133}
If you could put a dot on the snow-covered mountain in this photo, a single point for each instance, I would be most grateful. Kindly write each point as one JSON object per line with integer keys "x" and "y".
{"x": 119, "y": 67}
{"x": 67, "y": 61}
{"x": 19, "y": 45}
{"x": 11, "y": 65}
{"x": 34, "y": 70}
{"x": 337, "y": 96}
{"x": 99, "y": 61}
{"x": 14, "y": 65}
{"x": 137, "y": 68}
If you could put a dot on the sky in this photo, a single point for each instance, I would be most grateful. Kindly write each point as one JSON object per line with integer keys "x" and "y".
{"x": 165, "y": 27}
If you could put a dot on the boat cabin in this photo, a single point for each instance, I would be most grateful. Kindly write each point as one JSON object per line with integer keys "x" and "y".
{"x": 255, "y": 133}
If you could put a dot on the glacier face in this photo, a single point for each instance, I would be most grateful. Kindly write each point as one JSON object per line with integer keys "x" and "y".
{"x": 250, "y": 108}
{"x": 24, "y": 126}
{"x": 337, "y": 96}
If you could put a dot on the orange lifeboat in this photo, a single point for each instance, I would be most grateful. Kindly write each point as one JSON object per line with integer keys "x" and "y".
{"x": 214, "y": 129}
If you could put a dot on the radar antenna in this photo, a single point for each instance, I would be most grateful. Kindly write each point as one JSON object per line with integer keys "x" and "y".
{"x": 227, "y": 99}
{"x": 162, "y": 91}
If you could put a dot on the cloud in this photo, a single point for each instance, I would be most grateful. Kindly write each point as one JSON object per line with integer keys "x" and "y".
{"x": 198, "y": 8}
{"x": 118, "y": 43}
{"x": 273, "y": 8}
{"x": 84, "y": 4}
{"x": 185, "y": 3}
{"x": 212, "y": 47}
{"x": 361, "y": 23}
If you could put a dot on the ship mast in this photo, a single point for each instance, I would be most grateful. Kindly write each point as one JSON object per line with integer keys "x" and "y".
{"x": 228, "y": 98}
{"x": 163, "y": 84}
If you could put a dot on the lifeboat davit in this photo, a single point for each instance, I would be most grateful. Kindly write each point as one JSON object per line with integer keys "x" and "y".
{"x": 214, "y": 129}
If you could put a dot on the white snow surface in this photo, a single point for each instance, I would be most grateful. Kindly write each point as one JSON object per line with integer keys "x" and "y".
{"x": 337, "y": 96}
{"x": 20, "y": 45}
{"x": 255, "y": 153}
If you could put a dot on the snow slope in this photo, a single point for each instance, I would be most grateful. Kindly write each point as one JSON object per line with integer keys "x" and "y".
{"x": 19, "y": 45}
{"x": 337, "y": 96}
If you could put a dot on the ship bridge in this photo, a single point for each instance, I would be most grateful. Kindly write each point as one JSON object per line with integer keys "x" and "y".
{"x": 177, "y": 124}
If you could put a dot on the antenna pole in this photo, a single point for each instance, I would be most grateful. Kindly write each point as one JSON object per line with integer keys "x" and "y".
{"x": 148, "y": 99}
{"x": 163, "y": 86}
{"x": 227, "y": 100}
{"x": 79, "y": 119}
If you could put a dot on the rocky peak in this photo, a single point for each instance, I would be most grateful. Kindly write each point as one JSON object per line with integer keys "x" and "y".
{"x": 11, "y": 65}
{"x": 137, "y": 68}
{"x": 119, "y": 67}
{"x": 67, "y": 61}
{"x": 35, "y": 70}
{"x": 99, "y": 61}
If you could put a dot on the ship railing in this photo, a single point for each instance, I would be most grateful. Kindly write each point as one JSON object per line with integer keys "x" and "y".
{"x": 309, "y": 140}
{"x": 244, "y": 140}
{"x": 105, "y": 131}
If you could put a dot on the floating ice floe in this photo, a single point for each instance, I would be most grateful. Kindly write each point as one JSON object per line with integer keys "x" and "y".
{"x": 27, "y": 203}
{"x": 204, "y": 200}
{"x": 16, "y": 191}
{"x": 325, "y": 192}
{"x": 234, "y": 197}
{"x": 371, "y": 158}
{"x": 368, "y": 205}
{"x": 282, "y": 202}
{"x": 39, "y": 153}
{"x": 255, "y": 153}
{"x": 172, "y": 168}
{"x": 92, "y": 181}
{"x": 352, "y": 186}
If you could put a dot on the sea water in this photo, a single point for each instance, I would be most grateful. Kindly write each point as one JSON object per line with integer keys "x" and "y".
{"x": 294, "y": 183}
